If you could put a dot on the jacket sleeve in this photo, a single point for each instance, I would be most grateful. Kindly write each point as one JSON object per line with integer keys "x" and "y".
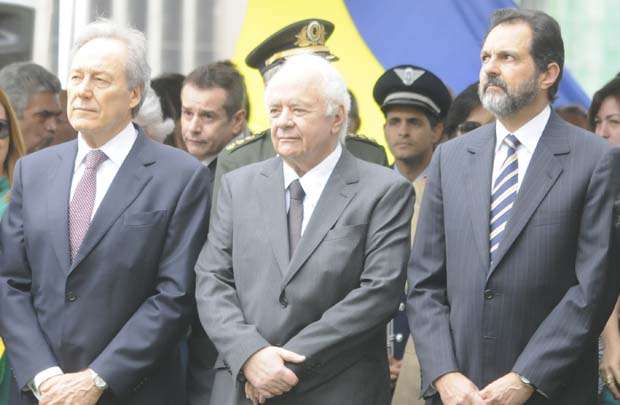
{"x": 163, "y": 318}
{"x": 366, "y": 309}
{"x": 427, "y": 306}
{"x": 216, "y": 296}
{"x": 581, "y": 314}
{"x": 26, "y": 344}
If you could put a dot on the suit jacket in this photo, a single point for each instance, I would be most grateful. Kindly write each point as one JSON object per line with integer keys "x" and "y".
{"x": 124, "y": 302}
{"x": 539, "y": 308}
{"x": 330, "y": 302}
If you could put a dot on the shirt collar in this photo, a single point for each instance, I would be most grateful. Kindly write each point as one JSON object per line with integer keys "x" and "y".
{"x": 317, "y": 176}
{"x": 116, "y": 149}
{"x": 528, "y": 134}
{"x": 207, "y": 161}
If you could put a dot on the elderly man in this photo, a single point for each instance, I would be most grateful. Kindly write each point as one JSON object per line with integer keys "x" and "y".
{"x": 513, "y": 273}
{"x": 301, "y": 37}
{"x": 99, "y": 243}
{"x": 305, "y": 258}
{"x": 33, "y": 92}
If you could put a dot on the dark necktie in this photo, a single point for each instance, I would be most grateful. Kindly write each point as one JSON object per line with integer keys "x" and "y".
{"x": 295, "y": 215}
{"x": 83, "y": 201}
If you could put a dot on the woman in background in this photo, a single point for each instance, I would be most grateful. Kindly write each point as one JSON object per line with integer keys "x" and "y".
{"x": 604, "y": 118}
{"x": 11, "y": 148}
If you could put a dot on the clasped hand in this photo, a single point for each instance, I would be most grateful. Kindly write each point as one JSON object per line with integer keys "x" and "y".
{"x": 456, "y": 389}
{"x": 266, "y": 374}
{"x": 71, "y": 388}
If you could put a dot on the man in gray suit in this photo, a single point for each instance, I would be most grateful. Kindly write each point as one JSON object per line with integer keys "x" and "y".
{"x": 510, "y": 274}
{"x": 99, "y": 243}
{"x": 306, "y": 256}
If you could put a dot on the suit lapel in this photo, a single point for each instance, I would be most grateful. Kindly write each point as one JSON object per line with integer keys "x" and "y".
{"x": 338, "y": 192}
{"x": 542, "y": 172}
{"x": 478, "y": 181}
{"x": 270, "y": 190}
{"x": 126, "y": 186}
{"x": 58, "y": 202}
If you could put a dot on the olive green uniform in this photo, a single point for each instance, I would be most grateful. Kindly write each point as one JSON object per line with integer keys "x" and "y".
{"x": 258, "y": 147}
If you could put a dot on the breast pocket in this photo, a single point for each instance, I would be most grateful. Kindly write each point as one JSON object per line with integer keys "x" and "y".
{"x": 345, "y": 232}
{"x": 143, "y": 219}
{"x": 550, "y": 217}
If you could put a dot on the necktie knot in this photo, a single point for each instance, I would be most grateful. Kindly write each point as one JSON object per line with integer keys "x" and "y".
{"x": 296, "y": 191}
{"x": 512, "y": 142}
{"x": 94, "y": 158}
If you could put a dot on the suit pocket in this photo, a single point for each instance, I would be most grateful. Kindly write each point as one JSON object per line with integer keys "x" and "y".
{"x": 345, "y": 232}
{"x": 143, "y": 219}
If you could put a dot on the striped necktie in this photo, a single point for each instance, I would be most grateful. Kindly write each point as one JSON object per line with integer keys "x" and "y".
{"x": 504, "y": 194}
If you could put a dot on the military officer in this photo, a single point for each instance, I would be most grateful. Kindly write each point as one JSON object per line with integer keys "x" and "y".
{"x": 306, "y": 36}
{"x": 414, "y": 102}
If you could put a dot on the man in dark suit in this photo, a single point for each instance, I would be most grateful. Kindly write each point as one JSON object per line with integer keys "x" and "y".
{"x": 213, "y": 114}
{"x": 305, "y": 259}
{"x": 510, "y": 276}
{"x": 99, "y": 243}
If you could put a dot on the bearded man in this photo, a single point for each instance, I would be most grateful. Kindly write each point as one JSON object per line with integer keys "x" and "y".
{"x": 512, "y": 273}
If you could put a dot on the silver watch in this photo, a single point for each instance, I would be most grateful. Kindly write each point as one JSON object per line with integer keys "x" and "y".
{"x": 99, "y": 382}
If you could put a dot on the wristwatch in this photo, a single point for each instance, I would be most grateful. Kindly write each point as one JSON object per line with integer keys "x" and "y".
{"x": 526, "y": 382}
{"x": 99, "y": 382}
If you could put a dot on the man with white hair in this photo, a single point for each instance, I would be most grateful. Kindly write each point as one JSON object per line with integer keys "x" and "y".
{"x": 306, "y": 255}
{"x": 99, "y": 243}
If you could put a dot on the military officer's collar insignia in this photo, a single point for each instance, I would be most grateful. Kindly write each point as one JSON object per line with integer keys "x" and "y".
{"x": 409, "y": 75}
{"x": 311, "y": 35}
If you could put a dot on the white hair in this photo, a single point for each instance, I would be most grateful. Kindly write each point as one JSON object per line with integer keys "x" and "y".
{"x": 151, "y": 118}
{"x": 323, "y": 76}
{"x": 137, "y": 69}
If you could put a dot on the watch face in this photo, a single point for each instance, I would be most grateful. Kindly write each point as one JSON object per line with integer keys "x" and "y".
{"x": 99, "y": 383}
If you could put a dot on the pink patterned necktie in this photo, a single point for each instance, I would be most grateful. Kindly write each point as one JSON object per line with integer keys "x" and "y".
{"x": 83, "y": 201}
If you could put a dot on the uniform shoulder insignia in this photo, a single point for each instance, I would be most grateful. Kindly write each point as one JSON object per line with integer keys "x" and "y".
{"x": 363, "y": 138}
{"x": 244, "y": 141}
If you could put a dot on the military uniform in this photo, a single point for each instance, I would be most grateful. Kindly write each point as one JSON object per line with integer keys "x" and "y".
{"x": 258, "y": 147}
{"x": 416, "y": 88}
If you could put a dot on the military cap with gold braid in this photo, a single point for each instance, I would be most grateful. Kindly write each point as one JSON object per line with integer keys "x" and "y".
{"x": 306, "y": 36}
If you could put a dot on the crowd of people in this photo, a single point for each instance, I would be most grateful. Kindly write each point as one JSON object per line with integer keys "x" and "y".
{"x": 155, "y": 250}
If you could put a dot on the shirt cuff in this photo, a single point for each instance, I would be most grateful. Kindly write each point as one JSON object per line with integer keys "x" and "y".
{"x": 41, "y": 377}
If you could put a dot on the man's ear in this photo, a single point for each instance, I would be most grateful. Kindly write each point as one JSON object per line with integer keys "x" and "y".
{"x": 339, "y": 118}
{"x": 238, "y": 121}
{"x": 437, "y": 133}
{"x": 549, "y": 76}
{"x": 135, "y": 95}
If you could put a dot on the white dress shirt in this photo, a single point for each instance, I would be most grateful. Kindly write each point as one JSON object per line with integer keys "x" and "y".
{"x": 529, "y": 135}
{"x": 313, "y": 183}
{"x": 116, "y": 149}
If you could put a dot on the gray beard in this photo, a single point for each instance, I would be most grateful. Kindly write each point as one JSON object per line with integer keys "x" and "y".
{"x": 509, "y": 103}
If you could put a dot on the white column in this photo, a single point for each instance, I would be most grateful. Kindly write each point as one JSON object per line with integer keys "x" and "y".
{"x": 73, "y": 17}
{"x": 227, "y": 20}
{"x": 41, "y": 53}
{"x": 188, "y": 36}
{"x": 120, "y": 12}
{"x": 154, "y": 35}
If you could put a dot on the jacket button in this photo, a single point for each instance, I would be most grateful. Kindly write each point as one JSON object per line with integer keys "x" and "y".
{"x": 488, "y": 294}
{"x": 71, "y": 297}
{"x": 283, "y": 300}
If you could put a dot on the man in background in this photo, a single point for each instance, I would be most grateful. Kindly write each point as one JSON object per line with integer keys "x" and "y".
{"x": 33, "y": 92}
{"x": 414, "y": 102}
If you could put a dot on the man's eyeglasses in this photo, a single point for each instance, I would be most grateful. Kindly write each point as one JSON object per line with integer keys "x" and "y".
{"x": 468, "y": 126}
{"x": 5, "y": 129}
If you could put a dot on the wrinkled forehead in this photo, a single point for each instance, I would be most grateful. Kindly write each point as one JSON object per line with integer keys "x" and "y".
{"x": 100, "y": 54}
{"x": 293, "y": 86}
